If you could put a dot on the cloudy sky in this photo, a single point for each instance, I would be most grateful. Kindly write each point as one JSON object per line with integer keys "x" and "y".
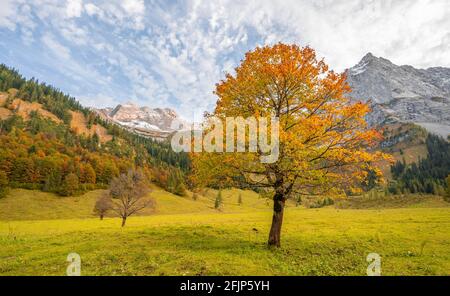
{"x": 163, "y": 53}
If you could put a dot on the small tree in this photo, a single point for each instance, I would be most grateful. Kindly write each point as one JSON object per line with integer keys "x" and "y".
{"x": 240, "y": 199}
{"x": 447, "y": 197}
{"x": 195, "y": 196}
{"x": 180, "y": 189}
{"x": 89, "y": 174}
{"x": 103, "y": 205}
{"x": 3, "y": 184}
{"x": 218, "y": 201}
{"x": 298, "y": 200}
{"x": 53, "y": 181}
{"x": 70, "y": 185}
{"x": 175, "y": 183}
{"x": 127, "y": 192}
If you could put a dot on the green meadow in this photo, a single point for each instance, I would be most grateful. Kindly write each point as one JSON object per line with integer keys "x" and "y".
{"x": 186, "y": 237}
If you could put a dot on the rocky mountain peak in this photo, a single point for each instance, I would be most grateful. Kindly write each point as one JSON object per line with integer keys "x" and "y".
{"x": 403, "y": 93}
{"x": 158, "y": 122}
{"x": 368, "y": 57}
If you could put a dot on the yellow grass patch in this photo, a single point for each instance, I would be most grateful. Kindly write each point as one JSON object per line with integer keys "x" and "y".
{"x": 326, "y": 241}
{"x": 24, "y": 109}
{"x": 79, "y": 125}
{"x": 21, "y": 204}
{"x": 412, "y": 154}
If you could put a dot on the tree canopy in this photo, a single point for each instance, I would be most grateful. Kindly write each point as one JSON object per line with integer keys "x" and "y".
{"x": 324, "y": 142}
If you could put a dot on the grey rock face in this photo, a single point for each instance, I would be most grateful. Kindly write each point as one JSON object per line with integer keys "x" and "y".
{"x": 403, "y": 93}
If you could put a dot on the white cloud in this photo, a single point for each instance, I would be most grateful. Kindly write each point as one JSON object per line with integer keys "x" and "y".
{"x": 13, "y": 17}
{"x": 92, "y": 9}
{"x": 343, "y": 31}
{"x": 57, "y": 48}
{"x": 133, "y": 7}
{"x": 73, "y": 33}
{"x": 173, "y": 55}
{"x": 123, "y": 14}
{"x": 188, "y": 53}
{"x": 74, "y": 8}
{"x": 97, "y": 100}
{"x": 135, "y": 10}
{"x": 6, "y": 12}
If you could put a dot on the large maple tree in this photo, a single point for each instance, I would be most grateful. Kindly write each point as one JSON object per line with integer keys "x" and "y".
{"x": 325, "y": 145}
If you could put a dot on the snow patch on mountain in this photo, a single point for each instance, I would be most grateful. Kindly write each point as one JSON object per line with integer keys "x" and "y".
{"x": 360, "y": 68}
{"x": 139, "y": 124}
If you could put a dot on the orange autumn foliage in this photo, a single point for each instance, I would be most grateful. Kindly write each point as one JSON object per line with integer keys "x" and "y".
{"x": 325, "y": 143}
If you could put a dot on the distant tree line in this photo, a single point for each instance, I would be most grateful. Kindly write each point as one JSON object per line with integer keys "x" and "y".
{"x": 42, "y": 154}
{"x": 428, "y": 175}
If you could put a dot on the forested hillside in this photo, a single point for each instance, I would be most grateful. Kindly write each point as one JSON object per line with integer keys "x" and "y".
{"x": 428, "y": 175}
{"x": 45, "y": 147}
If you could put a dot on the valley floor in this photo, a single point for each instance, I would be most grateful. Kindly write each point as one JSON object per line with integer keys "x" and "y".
{"x": 326, "y": 241}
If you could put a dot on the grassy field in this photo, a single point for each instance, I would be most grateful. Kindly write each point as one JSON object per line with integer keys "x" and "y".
{"x": 23, "y": 204}
{"x": 186, "y": 237}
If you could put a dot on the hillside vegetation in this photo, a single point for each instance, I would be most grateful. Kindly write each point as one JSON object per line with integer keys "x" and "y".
{"x": 52, "y": 143}
{"x": 426, "y": 175}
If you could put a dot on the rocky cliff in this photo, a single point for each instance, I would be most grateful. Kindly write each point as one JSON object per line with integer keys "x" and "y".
{"x": 403, "y": 93}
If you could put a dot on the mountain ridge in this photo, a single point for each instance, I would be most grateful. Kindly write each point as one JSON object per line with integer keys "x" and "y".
{"x": 402, "y": 93}
{"x": 397, "y": 94}
{"x": 158, "y": 123}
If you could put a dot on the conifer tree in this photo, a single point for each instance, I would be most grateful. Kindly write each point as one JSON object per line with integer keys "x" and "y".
{"x": 3, "y": 184}
{"x": 218, "y": 200}
{"x": 70, "y": 185}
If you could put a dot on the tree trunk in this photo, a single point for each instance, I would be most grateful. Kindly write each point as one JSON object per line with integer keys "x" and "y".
{"x": 101, "y": 216}
{"x": 124, "y": 219}
{"x": 277, "y": 221}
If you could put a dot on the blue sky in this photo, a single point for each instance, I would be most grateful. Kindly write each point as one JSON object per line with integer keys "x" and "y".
{"x": 171, "y": 53}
